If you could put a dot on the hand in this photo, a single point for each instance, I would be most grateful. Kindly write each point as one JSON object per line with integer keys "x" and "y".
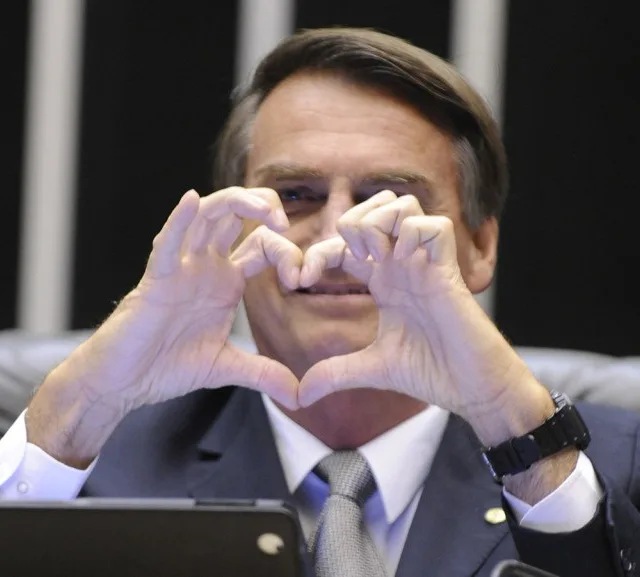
{"x": 434, "y": 342}
{"x": 169, "y": 335}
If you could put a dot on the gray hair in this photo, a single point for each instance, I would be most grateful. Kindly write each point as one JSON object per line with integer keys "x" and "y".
{"x": 409, "y": 73}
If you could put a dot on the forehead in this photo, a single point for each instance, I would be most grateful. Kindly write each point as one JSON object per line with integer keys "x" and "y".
{"x": 341, "y": 129}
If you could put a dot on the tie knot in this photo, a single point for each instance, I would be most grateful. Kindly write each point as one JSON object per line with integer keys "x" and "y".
{"x": 348, "y": 475}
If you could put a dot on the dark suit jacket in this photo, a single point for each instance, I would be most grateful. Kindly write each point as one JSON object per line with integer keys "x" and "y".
{"x": 218, "y": 444}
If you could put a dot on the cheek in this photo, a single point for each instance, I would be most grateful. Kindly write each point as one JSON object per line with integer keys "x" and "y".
{"x": 262, "y": 296}
{"x": 261, "y": 285}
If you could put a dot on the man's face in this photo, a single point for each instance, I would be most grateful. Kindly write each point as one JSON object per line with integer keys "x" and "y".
{"x": 324, "y": 145}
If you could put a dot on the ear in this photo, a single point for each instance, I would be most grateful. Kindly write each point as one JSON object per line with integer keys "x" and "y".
{"x": 482, "y": 255}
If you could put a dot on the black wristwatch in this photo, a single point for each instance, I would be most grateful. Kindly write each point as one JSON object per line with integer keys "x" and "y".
{"x": 565, "y": 428}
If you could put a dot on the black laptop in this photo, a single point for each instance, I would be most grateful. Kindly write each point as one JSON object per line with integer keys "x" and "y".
{"x": 150, "y": 538}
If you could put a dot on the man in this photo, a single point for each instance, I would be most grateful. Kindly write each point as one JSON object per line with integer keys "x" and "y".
{"x": 361, "y": 184}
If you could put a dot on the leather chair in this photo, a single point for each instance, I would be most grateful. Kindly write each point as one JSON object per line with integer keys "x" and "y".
{"x": 26, "y": 359}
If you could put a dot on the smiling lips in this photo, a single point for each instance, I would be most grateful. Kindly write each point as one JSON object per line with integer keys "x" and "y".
{"x": 335, "y": 289}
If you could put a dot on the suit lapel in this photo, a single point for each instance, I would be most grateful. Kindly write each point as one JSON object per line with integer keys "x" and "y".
{"x": 237, "y": 456}
{"x": 238, "y": 459}
{"x": 449, "y": 535}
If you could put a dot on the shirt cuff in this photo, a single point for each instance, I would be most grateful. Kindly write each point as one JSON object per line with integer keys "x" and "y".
{"x": 27, "y": 472}
{"x": 569, "y": 508}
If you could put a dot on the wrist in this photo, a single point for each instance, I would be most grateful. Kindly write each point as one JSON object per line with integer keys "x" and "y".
{"x": 533, "y": 460}
{"x": 64, "y": 423}
{"x": 522, "y": 407}
{"x": 543, "y": 477}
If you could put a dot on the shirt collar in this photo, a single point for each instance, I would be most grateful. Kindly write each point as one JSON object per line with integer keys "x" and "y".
{"x": 400, "y": 459}
{"x": 298, "y": 449}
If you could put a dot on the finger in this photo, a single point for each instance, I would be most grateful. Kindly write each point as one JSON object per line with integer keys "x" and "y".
{"x": 360, "y": 269}
{"x": 389, "y": 217}
{"x": 377, "y": 242}
{"x": 243, "y": 201}
{"x": 321, "y": 256}
{"x": 275, "y": 202}
{"x": 362, "y": 369}
{"x": 235, "y": 200}
{"x": 264, "y": 248}
{"x": 166, "y": 255}
{"x": 434, "y": 233}
{"x": 240, "y": 203}
{"x": 349, "y": 223}
{"x": 361, "y": 210}
{"x": 197, "y": 235}
{"x": 259, "y": 373}
{"x": 384, "y": 222}
{"x": 227, "y": 230}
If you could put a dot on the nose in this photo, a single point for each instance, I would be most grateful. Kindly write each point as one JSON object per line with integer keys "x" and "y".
{"x": 339, "y": 201}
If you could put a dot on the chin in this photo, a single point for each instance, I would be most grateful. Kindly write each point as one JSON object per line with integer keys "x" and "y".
{"x": 333, "y": 340}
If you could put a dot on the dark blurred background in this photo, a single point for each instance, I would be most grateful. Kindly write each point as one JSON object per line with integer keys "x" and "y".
{"x": 153, "y": 85}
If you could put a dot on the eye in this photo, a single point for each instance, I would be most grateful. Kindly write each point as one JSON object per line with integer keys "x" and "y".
{"x": 299, "y": 193}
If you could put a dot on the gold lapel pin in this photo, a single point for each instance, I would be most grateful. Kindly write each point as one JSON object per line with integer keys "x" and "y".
{"x": 495, "y": 516}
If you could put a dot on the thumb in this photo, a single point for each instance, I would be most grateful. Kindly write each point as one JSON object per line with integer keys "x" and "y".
{"x": 253, "y": 371}
{"x": 362, "y": 369}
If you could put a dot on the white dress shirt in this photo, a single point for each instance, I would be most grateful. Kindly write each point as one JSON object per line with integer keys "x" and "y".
{"x": 27, "y": 472}
{"x": 400, "y": 461}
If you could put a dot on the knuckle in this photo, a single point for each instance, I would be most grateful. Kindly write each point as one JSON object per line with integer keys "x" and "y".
{"x": 348, "y": 227}
{"x": 157, "y": 240}
{"x": 262, "y": 232}
{"x": 410, "y": 202}
{"x": 372, "y": 230}
{"x": 218, "y": 196}
{"x": 268, "y": 194}
{"x": 273, "y": 242}
{"x": 254, "y": 239}
{"x": 292, "y": 249}
{"x": 387, "y": 194}
{"x": 321, "y": 247}
{"x": 379, "y": 212}
{"x": 445, "y": 223}
{"x": 369, "y": 220}
{"x": 230, "y": 191}
{"x": 412, "y": 222}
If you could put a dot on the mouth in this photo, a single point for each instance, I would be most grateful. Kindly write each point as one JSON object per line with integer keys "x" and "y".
{"x": 335, "y": 290}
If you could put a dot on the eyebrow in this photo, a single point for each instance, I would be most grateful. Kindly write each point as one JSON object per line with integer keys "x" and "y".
{"x": 281, "y": 171}
{"x": 287, "y": 172}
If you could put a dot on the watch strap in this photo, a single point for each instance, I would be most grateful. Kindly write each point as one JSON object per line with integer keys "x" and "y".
{"x": 565, "y": 428}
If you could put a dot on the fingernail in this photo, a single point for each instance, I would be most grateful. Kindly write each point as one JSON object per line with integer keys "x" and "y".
{"x": 294, "y": 277}
{"x": 259, "y": 202}
{"x": 281, "y": 219}
{"x": 304, "y": 271}
{"x": 308, "y": 400}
